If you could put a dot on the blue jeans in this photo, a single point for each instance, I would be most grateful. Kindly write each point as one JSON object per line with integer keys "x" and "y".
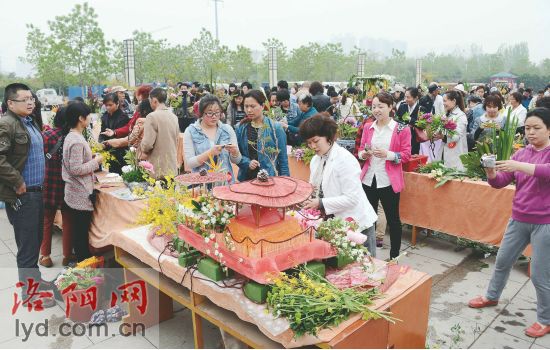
{"x": 28, "y": 223}
{"x": 517, "y": 236}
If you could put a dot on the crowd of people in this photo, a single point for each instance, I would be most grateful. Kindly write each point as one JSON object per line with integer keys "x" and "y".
{"x": 46, "y": 168}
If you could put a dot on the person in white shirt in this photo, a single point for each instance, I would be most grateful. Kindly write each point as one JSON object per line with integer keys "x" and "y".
{"x": 335, "y": 176}
{"x": 454, "y": 147}
{"x": 518, "y": 110}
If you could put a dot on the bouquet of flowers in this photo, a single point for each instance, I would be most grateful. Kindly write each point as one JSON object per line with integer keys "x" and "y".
{"x": 83, "y": 277}
{"x": 345, "y": 237}
{"x": 212, "y": 214}
{"x": 175, "y": 100}
{"x": 98, "y": 148}
{"x": 436, "y": 125}
{"x": 135, "y": 170}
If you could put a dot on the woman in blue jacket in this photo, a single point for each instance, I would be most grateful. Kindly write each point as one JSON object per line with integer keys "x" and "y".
{"x": 262, "y": 141}
{"x": 306, "y": 110}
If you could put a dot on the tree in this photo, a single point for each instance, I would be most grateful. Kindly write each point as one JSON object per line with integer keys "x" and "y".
{"x": 75, "y": 47}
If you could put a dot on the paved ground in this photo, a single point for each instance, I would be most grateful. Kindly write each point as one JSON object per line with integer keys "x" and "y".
{"x": 458, "y": 274}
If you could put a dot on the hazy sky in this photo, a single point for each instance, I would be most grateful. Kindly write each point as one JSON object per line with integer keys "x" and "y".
{"x": 441, "y": 26}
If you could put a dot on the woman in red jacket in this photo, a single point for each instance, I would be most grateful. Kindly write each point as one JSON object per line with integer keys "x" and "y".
{"x": 385, "y": 145}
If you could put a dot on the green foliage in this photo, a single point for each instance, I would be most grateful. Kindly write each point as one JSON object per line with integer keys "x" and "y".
{"x": 346, "y": 131}
{"x": 472, "y": 165}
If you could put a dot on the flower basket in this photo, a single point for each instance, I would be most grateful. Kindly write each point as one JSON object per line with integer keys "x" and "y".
{"x": 415, "y": 162}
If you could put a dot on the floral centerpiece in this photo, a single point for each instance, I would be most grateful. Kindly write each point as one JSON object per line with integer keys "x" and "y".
{"x": 163, "y": 205}
{"x": 136, "y": 171}
{"x": 345, "y": 237}
{"x": 311, "y": 303}
{"x": 83, "y": 277}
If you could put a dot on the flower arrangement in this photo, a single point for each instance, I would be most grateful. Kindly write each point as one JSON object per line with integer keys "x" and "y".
{"x": 98, "y": 148}
{"x": 311, "y": 303}
{"x": 436, "y": 125}
{"x": 440, "y": 173}
{"x": 136, "y": 170}
{"x": 345, "y": 237}
{"x": 303, "y": 153}
{"x": 83, "y": 277}
{"x": 163, "y": 209}
{"x": 348, "y": 129}
{"x": 175, "y": 100}
{"x": 212, "y": 214}
{"x": 308, "y": 218}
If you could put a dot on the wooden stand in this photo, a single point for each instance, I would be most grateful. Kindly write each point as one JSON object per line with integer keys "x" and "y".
{"x": 412, "y": 308}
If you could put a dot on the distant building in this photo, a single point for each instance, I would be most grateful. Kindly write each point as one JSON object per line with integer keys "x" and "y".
{"x": 504, "y": 78}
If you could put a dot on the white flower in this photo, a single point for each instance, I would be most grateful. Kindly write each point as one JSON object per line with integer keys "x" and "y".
{"x": 208, "y": 251}
{"x": 223, "y": 220}
{"x": 216, "y": 245}
{"x": 216, "y": 252}
{"x": 127, "y": 168}
{"x": 220, "y": 255}
{"x": 133, "y": 149}
{"x": 204, "y": 210}
{"x": 206, "y": 222}
{"x": 206, "y": 240}
{"x": 212, "y": 236}
{"x": 241, "y": 260}
{"x": 213, "y": 221}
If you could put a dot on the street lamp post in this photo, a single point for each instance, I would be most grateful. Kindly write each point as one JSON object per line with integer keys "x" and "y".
{"x": 361, "y": 64}
{"x": 129, "y": 63}
{"x": 272, "y": 65}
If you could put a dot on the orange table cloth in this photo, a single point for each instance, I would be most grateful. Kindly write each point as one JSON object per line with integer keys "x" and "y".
{"x": 469, "y": 209}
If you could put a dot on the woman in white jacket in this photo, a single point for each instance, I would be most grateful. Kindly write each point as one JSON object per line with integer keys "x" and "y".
{"x": 335, "y": 175}
{"x": 454, "y": 147}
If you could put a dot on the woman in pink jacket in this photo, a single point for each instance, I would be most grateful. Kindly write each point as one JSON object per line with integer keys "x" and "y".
{"x": 385, "y": 145}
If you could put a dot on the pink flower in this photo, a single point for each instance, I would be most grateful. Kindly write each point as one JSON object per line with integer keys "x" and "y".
{"x": 450, "y": 125}
{"x": 147, "y": 166}
{"x": 426, "y": 116}
{"x": 356, "y": 237}
{"x": 350, "y": 219}
{"x": 351, "y": 121}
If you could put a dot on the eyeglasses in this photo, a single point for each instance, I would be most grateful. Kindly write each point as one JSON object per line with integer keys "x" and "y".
{"x": 213, "y": 114}
{"x": 27, "y": 100}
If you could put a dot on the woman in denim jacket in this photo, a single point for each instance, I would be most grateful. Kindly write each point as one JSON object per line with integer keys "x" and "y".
{"x": 209, "y": 137}
{"x": 262, "y": 141}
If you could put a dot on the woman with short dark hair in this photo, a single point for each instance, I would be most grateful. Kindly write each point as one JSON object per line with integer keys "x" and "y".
{"x": 334, "y": 174}
{"x": 518, "y": 111}
{"x": 321, "y": 102}
{"x": 305, "y": 111}
{"x": 529, "y": 168}
{"x": 78, "y": 166}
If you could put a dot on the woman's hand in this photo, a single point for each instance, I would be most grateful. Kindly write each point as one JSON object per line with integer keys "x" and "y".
{"x": 284, "y": 125}
{"x": 364, "y": 155}
{"x": 380, "y": 153}
{"x": 491, "y": 173}
{"x": 98, "y": 158}
{"x": 108, "y": 133}
{"x": 216, "y": 150}
{"x": 114, "y": 143}
{"x": 232, "y": 149}
{"x": 508, "y": 165}
{"x": 254, "y": 164}
{"x": 312, "y": 204}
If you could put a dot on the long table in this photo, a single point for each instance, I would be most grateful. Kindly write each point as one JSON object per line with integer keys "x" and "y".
{"x": 407, "y": 299}
{"x": 467, "y": 209}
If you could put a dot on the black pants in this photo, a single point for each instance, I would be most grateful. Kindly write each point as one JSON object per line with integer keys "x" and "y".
{"x": 80, "y": 222}
{"x": 28, "y": 226}
{"x": 390, "y": 203}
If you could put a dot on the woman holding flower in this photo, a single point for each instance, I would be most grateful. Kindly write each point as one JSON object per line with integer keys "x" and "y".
{"x": 529, "y": 168}
{"x": 78, "y": 166}
{"x": 262, "y": 141}
{"x": 209, "y": 140}
{"x": 491, "y": 119}
{"x": 457, "y": 144}
{"x": 335, "y": 176}
{"x": 385, "y": 145}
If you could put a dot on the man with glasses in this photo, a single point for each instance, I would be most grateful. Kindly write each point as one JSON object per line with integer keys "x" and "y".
{"x": 160, "y": 136}
{"x": 22, "y": 165}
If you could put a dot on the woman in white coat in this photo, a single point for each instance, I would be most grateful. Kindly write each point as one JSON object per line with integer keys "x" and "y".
{"x": 454, "y": 147}
{"x": 335, "y": 175}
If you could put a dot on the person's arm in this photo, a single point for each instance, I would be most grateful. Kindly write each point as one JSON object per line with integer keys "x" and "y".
{"x": 282, "y": 156}
{"x": 234, "y": 159}
{"x": 293, "y": 125}
{"x": 8, "y": 174}
{"x": 125, "y": 130}
{"x": 192, "y": 160}
{"x": 75, "y": 165}
{"x": 150, "y": 130}
{"x": 405, "y": 141}
{"x": 102, "y": 137}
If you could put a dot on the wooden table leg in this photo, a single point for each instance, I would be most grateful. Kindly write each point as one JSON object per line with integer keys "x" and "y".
{"x": 414, "y": 233}
{"x": 197, "y": 330}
